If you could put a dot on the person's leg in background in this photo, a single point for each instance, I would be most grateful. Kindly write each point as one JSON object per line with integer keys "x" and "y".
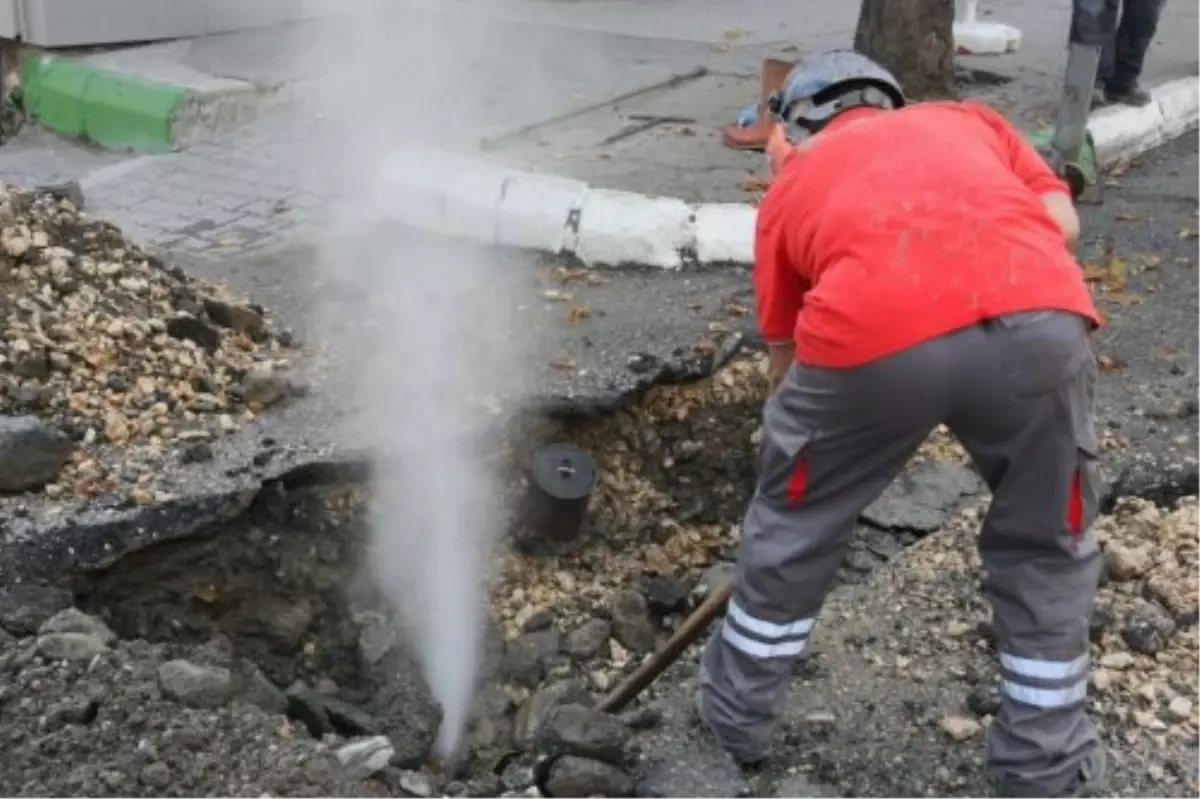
{"x": 1028, "y": 424}
{"x": 1093, "y": 23}
{"x": 832, "y": 442}
{"x": 1124, "y": 54}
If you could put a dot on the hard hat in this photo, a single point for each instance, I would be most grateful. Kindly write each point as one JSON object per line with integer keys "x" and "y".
{"x": 823, "y": 85}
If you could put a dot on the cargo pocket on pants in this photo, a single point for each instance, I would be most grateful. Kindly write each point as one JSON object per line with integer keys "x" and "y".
{"x": 1083, "y": 502}
{"x": 783, "y": 469}
{"x": 1042, "y": 350}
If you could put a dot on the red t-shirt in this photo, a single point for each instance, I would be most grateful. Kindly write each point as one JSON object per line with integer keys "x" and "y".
{"x": 895, "y": 227}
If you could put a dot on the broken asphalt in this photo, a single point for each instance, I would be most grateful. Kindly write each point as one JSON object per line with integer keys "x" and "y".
{"x": 646, "y": 327}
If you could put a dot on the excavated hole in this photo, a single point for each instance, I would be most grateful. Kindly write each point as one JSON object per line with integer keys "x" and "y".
{"x": 281, "y": 586}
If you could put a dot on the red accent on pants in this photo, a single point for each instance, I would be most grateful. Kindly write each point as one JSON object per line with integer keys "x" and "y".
{"x": 798, "y": 483}
{"x": 1075, "y": 504}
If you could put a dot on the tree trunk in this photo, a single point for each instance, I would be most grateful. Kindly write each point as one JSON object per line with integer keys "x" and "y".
{"x": 914, "y": 39}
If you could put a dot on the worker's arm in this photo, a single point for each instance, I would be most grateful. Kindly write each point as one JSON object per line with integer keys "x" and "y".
{"x": 1061, "y": 208}
{"x": 779, "y": 295}
{"x": 1031, "y": 169}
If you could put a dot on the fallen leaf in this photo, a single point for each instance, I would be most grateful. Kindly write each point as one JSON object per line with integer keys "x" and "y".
{"x": 736, "y": 309}
{"x": 735, "y": 33}
{"x": 1093, "y": 274}
{"x": 595, "y": 280}
{"x": 755, "y": 184}
{"x": 563, "y": 364}
{"x": 578, "y": 313}
{"x": 1130, "y": 216}
{"x": 556, "y": 296}
{"x": 1108, "y": 363}
{"x": 1188, "y": 233}
{"x": 566, "y": 274}
{"x": 705, "y": 347}
{"x": 1117, "y": 271}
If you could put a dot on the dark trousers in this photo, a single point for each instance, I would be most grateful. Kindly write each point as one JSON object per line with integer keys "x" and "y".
{"x": 1123, "y": 29}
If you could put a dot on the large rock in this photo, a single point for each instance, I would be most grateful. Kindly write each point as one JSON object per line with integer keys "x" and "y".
{"x": 194, "y": 685}
{"x": 401, "y": 702}
{"x": 30, "y": 455}
{"x": 577, "y": 730}
{"x": 920, "y": 499}
{"x": 533, "y": 714}
{"x": 632, "y": 625}
{"x": 581, "y": 777}
{"x": 25, "y": 608}
{"x": 366, "y": 756}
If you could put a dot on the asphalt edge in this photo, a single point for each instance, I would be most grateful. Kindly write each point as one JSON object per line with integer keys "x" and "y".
{"x": 488, "y": 203}
{"x": 124, "y": 111}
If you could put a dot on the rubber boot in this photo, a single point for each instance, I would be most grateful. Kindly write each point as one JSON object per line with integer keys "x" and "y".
{"x": 754, "y": 137}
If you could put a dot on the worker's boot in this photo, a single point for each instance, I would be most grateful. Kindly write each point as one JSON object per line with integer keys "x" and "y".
{"x": 754, "y": 137}
{"x": 1092, "y": 780}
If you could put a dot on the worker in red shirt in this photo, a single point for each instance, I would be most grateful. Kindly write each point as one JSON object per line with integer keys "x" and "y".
{"x": 914, "y": 267}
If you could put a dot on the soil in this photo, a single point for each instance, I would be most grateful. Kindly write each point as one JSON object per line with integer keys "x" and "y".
{"x": 273, "y": 599}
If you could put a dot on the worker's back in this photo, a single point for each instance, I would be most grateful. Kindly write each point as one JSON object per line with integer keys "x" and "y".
{"x": 904, "y": 225}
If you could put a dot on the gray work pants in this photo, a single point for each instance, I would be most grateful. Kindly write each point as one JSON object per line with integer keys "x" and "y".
{"x": 1123, "y": 29}
{"x": 1017, "y": 392}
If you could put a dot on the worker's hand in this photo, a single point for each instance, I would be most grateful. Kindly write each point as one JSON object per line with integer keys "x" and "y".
{"x": 780, "y": 357}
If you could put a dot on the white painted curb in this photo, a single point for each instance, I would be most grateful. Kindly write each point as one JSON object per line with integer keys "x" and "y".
{"x": 1124, "y": 132}
{"x": 986, "y": 38}
{"x": 490, "y": 204}
{"x": 479, "y": 201}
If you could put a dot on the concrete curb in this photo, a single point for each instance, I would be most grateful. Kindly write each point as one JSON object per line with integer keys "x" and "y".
{"x": 121, "y": 110}
{"x": 492, "y": 204}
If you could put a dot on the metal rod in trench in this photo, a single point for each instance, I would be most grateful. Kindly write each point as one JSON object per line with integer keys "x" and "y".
{"x": 691, "y": 629}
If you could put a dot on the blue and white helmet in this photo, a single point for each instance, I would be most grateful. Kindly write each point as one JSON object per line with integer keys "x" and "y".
{"x": 824, "y": 85}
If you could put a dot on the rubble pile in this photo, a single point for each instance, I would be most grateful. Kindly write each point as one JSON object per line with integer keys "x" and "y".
{"x": 1144, "y": 631}
{"x": 83, "y": 713}
{"x": 111, "y": 360}
{"x": 926, "y": 625}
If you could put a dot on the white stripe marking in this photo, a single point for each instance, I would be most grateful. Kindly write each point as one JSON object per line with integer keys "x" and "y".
{"x": 768, "y": 629}
{"x": 1046, "y": 697}
{"x": 1044, "y": 669}
{"x": 757, "y": 649}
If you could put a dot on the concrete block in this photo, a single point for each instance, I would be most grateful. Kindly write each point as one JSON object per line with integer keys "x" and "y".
{"x": 622, "y": 228}
{"x": 986, "y": 38}
{"x": 534, "y": 211}
{"x": 1119, "y": 132}
{"x": 441, "y": 192}
{"x": 725, "y": 233}
{"x": 1180, "y": 104}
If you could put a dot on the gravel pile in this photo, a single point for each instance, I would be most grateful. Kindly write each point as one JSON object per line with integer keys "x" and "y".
{"x": 111, "y": 360}
{"x": 903, "y": 682}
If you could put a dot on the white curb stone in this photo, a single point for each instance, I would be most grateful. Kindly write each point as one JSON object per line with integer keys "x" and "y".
{"x": 623, "y": 228}
{"x": 1125, "y": 131}
{"x": 483, "y": 202}
{"x": 442, "y": 193}
{"x": 725, "y": 233}
{"x": 534, "y": 210}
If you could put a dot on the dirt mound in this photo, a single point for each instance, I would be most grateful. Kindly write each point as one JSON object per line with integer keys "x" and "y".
{"x": 111, "y": 360}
